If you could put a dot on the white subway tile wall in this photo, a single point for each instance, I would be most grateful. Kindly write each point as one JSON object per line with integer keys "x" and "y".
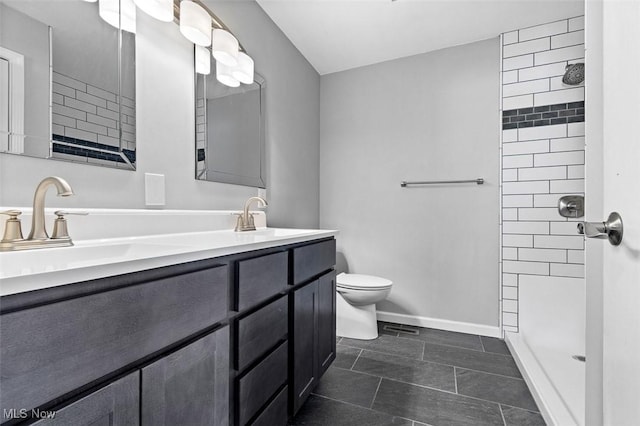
{"x": 541, "y": 162}
{"x": 83, "y": 111}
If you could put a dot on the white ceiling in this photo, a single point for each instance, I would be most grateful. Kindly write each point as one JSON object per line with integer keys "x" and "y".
{"x": 336, "y": 35}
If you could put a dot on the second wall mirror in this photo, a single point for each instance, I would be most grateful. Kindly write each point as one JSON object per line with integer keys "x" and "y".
{"x": 230, "y": 132}
{"x": 229, "y": 102}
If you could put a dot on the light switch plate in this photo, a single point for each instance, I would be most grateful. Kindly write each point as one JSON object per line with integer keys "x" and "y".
{"x": 154, "y": 190}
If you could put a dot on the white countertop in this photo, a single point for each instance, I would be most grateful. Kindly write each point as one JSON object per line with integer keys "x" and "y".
{"x": 29, "y": 270}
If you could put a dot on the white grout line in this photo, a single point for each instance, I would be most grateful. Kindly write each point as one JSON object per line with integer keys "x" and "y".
{"x": 375, "y": 394}
{"x": 455, "y": 378}
{"x": 502, "y": 414}
{"x": 356, "y": 360}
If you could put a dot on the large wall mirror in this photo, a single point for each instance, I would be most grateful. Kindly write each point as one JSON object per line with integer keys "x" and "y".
{"x": 229, "y": 104}
{"x": 67, "y": 81}
{"x": 230, "y": 131}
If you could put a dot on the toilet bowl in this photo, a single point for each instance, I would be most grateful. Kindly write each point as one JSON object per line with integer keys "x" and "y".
{"x": 356, "y": 300}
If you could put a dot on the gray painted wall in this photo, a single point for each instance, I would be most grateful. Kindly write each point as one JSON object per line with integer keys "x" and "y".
{"x": 430, "y": 116}
{"x": 165, "y": 137}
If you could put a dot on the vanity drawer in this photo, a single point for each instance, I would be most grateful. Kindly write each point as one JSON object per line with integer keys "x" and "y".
{"x": 261, "y": 330}
{"x": 259, "y": 385}
{"x": 50, "y": 350}
{"x": 312, "y": 260}
{"x": 261, "y": 278}
{"x": 276, "y": 412}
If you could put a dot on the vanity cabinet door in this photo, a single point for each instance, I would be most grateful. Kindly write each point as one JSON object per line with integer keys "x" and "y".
{"x": 116, "y": 404}
{"x": 305, "y": 344}
{"x": 314, "y": 335}
{"x": 189, "y": 386}
{"x": 326, "y": 321}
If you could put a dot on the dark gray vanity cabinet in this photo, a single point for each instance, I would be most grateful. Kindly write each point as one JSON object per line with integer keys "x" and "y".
{"x": 314, "y": 335}
{"x": 286, "y": 341}
{"x": 235, "y": 340}
{"x": 313, "y": 318}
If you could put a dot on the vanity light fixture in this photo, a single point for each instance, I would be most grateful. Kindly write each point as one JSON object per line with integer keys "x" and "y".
{"x": 195, "y": 23}
{"x": 203, "y": 60}
{"x": 225, "y": 47}
{"x": 162, "y": 10}
{"x": 224, "y": 75}
{"x": 243, "y": 72}
{"x": 233, "y": 65}
{"x": 109, "y": 11}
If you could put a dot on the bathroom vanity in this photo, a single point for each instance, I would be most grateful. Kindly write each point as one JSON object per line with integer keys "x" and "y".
{"x": 238, "y": 338}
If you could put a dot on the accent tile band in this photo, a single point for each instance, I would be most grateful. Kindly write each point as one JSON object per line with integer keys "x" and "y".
{"x": 546, "y": 115}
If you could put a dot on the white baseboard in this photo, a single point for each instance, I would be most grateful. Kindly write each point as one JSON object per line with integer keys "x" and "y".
{"x": 442, "y": 324}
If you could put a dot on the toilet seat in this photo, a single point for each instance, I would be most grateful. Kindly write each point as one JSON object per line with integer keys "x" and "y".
{"x": 362, "y": 282}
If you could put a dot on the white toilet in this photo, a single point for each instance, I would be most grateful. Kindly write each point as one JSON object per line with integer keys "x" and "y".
{"x": 356, "y": 300}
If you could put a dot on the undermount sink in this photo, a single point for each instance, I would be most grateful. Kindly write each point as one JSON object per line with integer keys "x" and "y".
{"x": 54, "y": 259}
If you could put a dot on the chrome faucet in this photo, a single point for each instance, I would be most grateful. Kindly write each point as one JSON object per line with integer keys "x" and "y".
{"x": 38, "y": 237}
{"x": 245, "y": 219}
{"x": 38, "y": 228}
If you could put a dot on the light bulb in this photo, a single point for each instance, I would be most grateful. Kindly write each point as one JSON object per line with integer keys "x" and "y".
{"x": 195, "y": 23}
{"x": 224, "y": 76}
{"x": 225, "y": 47}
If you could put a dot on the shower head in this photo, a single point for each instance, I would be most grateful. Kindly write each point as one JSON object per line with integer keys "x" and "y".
{"x": 574, "y": 74}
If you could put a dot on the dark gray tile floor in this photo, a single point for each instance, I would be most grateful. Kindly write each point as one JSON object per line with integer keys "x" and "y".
{"x": 432, "y": 378}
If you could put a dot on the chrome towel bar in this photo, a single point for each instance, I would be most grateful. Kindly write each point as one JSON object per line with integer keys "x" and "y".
{"x": 404, "y": 183}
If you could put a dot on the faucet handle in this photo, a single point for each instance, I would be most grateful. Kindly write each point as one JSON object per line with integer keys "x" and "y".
{"x": 60, "y": 230}
{"x": 12, "y": 227}
{"x": 13, "y": 214}
{"x": 62, "y": 213}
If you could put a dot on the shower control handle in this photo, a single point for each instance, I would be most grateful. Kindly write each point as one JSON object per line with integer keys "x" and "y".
{"x": 611, "y": 229}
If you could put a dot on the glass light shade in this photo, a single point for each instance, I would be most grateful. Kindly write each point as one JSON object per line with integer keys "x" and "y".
{"x": 109, "y": 10}
{"x": 224, "y": 75}
{"x": 243, "y": 72}
{"x": 162, "y": 10}
{"x": 195, "y": 23}
{"x": 203, "y": 60}
{"x": 225, "y": 47}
